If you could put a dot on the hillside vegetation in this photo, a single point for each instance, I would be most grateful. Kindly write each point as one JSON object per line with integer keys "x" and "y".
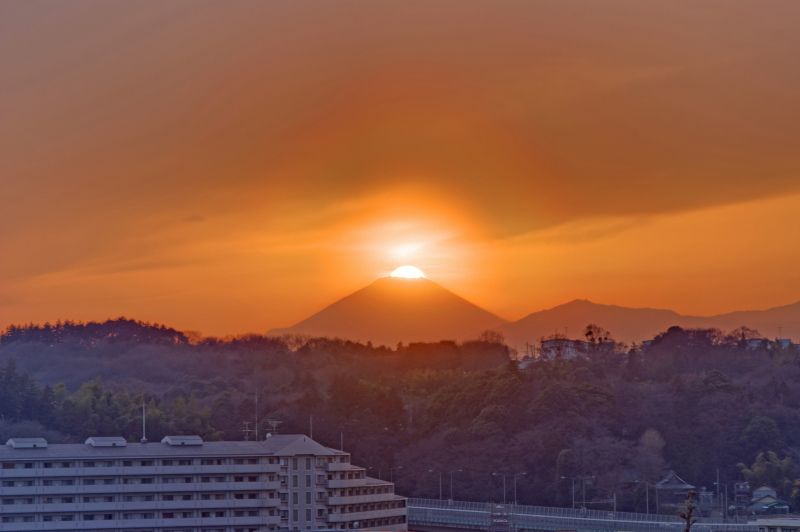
{"x": 692, "y": 401}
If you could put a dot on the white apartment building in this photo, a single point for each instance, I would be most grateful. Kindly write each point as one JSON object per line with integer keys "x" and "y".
{"x": 183, "y": 484}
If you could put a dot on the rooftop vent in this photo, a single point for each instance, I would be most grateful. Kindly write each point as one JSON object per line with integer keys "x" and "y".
{"x": 27, "y": 443}
{"x": 182, "y": 440}
{"x": 100, "y": 441}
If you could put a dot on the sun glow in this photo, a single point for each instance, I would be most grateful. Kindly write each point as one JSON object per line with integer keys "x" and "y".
{"x": 408, "y": 272}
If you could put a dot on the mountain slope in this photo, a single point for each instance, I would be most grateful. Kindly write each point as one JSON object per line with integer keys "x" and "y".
{"x": 638, "y": 324}
{"x": 626, "y": 324}
{"x": 393, "y": 309}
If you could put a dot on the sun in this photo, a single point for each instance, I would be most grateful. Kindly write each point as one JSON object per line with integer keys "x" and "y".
{"x": 408, "y": 272}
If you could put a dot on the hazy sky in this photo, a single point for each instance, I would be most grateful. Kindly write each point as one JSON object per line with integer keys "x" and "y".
{"x": 235, "y": 166}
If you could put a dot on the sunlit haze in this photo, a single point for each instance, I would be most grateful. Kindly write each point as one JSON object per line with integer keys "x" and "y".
{"x": 235, "y": 167}
{"x": 408, "y": 272}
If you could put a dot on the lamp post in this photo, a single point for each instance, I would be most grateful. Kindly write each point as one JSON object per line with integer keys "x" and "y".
{"x": 515, "y": 485}
{"x": 391, "y": 475}
{"x": 440, "y": 481}
{"x": 583, "y": 483}
{"x": 451, "y": 481}
{"x": 573, "y": 489}
{"x": 504, "y": 484}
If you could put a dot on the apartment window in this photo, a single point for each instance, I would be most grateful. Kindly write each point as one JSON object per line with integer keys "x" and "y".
{"x": 184, "y": 462}
{"x": 108, "y": 481}
{"x": 308, "y": 514}
{"x": 295, "y": 498}
{"x": 205, "y": 497}
{"x": 88, "y": 464}
{"x": 320, "y": 461}
{"x": 205, "y": 479}
{"x": 108, "y": 517}
{"x": 252, "y": 513}
{"x": 186, "y": 497}
{"x": 67, "y": 464}
{"x": 295, "y": 481}
{"x": 252, "y": 460}
{"x": 294, "y": 515}
{"x": 107, "y": 463}
{"x": 320, "y": 495}
{"x": 89, "y": 481}
{"x": 147, "y": 463}
{"x": 127, "y": 463}
{"x": 308, "y": 463}
{"x": 308, "y": 481}
{"x": 238, "y": 479}
{"x": 320, "y": 512}
{"x": 308, "y": 497}
{"x": 255, "y": 496}
{"x": 168, "y": 498}
{"x": 294, "y": 466}
{"x": 320, "y": 479}
{"x": 166, "y": 462}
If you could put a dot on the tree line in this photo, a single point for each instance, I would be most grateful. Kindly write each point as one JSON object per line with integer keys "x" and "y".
{"x": 693, "y": 401}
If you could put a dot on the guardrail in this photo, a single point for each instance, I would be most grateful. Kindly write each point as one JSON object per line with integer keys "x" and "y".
{"x": 477, "y": 516}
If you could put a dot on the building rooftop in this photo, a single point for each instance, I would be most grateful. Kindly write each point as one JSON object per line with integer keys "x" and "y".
{"x": 278, "y": 445}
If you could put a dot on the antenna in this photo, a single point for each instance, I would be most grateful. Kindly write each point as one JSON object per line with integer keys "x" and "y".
{"x": 780, "y": 333}
{"x": 256, "y": 416}
{"x": 246, "y": 430}
{"x": 341, "y": 444}
{"x": 144, "y": 435}
{"x": 311, "y": 427}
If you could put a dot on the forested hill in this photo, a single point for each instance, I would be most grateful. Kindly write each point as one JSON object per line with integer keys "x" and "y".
{"x": 692, "y": 401}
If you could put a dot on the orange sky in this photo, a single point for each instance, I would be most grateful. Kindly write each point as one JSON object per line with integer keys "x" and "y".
{"x": 233, "y": 167}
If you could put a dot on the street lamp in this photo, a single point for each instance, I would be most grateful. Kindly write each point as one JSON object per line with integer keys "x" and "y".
{"x": 391, "y": 475}
{"x": 515, "y": 485}
{"x": 573, "y": 489}
{"x": 583, "y": 482}
{"x": 504, "y": 484}
{"x": 440, "y": 481}
{"x": 451, "y": 481}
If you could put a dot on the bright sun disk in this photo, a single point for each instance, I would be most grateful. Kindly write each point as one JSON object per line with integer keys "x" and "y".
{"x": 408, "y": 272}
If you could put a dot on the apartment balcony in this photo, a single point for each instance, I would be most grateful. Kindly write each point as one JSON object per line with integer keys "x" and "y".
{"x": 373, "y": 514}
{"x": 124, "y": 524}
{"x": 349, "y": 483}
{"x": 361, "y": 499}
{"x": 339, "y": 466}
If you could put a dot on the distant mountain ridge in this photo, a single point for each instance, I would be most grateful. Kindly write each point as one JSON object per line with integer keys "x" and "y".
{"x": 638, "y": 324}
{"x": 392, "y": 310}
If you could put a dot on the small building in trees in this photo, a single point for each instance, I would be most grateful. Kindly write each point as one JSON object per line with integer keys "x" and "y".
{"x": 672, "y": 490}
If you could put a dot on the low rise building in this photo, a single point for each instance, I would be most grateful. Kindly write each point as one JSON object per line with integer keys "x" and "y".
{"x": 183, "y": 484}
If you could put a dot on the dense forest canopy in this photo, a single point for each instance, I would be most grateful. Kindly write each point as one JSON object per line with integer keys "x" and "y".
{"x": 693, "y": 401}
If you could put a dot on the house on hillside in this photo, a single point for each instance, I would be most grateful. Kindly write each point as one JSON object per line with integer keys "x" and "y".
{"x": 563, "y": 348}
{"x": 672, "y": 490}
{"x": 765, "y": 501}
